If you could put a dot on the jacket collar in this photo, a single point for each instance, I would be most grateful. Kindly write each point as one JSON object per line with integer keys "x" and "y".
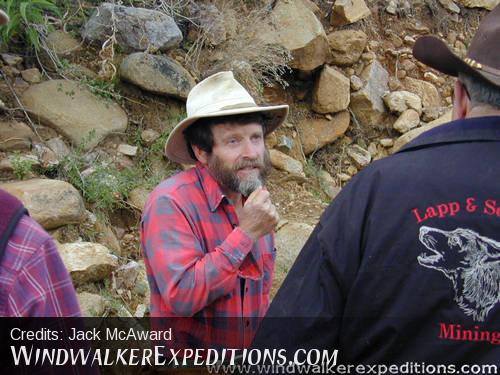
{"x": 464, "y": 130}
{"x": 210, "y": 186}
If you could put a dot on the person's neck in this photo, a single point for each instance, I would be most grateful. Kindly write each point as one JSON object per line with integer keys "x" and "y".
{"x": 483, "y": 111}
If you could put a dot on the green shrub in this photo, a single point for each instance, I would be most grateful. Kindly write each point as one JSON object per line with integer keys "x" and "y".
{"x": 26, "y": 18}
{"x": 22, "y": 166}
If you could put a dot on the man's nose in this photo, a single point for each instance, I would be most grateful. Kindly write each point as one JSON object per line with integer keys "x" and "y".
{"x": 250, "y": 150}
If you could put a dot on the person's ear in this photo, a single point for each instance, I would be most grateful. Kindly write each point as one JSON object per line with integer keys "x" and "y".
{"x": 200, "y": 154}
{"x": 461, "y": 101}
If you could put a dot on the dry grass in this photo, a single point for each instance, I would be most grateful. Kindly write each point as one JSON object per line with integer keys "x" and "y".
{"x": 255, "y": 63}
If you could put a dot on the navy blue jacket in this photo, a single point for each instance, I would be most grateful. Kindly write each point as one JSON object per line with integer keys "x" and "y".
{"x": 404, "y": 265}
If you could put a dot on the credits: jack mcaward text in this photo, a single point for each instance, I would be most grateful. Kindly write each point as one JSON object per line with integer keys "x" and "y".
{"x": 116, "y": 334}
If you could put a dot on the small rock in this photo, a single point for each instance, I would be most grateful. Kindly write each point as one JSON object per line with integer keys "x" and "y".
{"x": 391, "y": 7}
{"x": 345, "y": 12}
{"x": 352, "y": 170}
{"x": 126, "y": 275}
{"x": 92, "y": 305}
{"x": 87, "y": 261}
{"x": 284, "y": 162}
{"x": 450, "y": 5}
{"x": 58, "y": 146}
{"x": 408, "y": 120}
{"x": 11, "y": 60}
{"x": 431, "y": 113}
{"x": 409, "y": 40}
{"x": 137, "y": 198}
{"x": 63, "y": 44}
{"x": 149, "y": 136}
{"x": 15, "y": 135}
{"x": 359, "y": 155}
{"x": 343, "y": 177}
{"x": 431, "y": 77}
{"x": 356, "y": 83}
{"x": 31, "y": 75}
{"x": 140, "y": 311}
{"x": 46, "y": 156}
{"x": 400, "y": 101}
{"x": 372, "y": 149}
{"x": 387, "y": 142}
{"x": 327, "y": 183}
{"x": 127, "y": 150}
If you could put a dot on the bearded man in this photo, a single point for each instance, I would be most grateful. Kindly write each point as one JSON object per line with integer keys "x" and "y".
{"x": 207, "y": 232}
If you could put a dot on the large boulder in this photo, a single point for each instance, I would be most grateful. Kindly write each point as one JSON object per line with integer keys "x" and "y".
{"x": 331, "y": 91}
{"x": 87, "y": 261}
{"x": 295, "y": 27}
{"x": 15, "y": 135}
{"x": 74, "y": 111}
{"x": 345, "y": 12}
{"x": 135, "y": 29}
{"x": 158, "y": 74}
{"x": 52, "y": 203}
{"x": 289, "y": 241}
{"x": 346, "y": 46}
{"x": 316, "y": 133}
{"x": 425, "y": 90}
{"x": 367, "y": 104}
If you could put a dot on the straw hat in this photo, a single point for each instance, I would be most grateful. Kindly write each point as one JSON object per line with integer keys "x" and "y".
{"x": 218, "y": 95}
{"x": 4, "y": 18}
{"x": 483, "y": 56}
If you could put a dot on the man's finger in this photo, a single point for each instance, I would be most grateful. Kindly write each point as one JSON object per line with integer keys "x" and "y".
{"x": 253, "y": 194}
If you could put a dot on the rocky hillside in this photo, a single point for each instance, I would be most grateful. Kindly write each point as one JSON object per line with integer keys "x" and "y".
{"x": 88, "y": 100}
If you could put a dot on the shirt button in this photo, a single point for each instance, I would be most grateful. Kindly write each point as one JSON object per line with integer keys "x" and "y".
{"x": 248, "y": 323}
{"x": 246, "y": 289}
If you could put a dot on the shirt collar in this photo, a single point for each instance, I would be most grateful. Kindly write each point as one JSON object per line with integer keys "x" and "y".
{"x": 464, "y": 130}
{"x": 210, "y": 186}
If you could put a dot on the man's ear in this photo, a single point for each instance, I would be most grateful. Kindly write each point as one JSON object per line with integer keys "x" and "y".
{"x": 200, "y": 154}
{"x": 461, "y": 101}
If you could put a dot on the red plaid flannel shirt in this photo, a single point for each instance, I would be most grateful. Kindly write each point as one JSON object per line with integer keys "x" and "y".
{"x": 33, "y": 279}
{"x": 196, "y": 256}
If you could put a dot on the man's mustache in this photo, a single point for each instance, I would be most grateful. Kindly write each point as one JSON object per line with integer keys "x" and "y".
{"x": 245, "y": 163}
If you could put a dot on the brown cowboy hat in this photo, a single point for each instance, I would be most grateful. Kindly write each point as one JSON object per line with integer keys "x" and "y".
{"x": 483, "y": 56}
{"x": 4, "y": 18}
{"x": 218, "y": 95}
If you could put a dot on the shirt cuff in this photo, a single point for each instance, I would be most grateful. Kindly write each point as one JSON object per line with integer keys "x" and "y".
{"x": 236, "y": 246}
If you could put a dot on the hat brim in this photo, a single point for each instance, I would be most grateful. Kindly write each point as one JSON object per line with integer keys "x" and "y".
{"x": 176, "y": 148}
{"x": 4, "y": 18}
{"x": 435, "y": 53}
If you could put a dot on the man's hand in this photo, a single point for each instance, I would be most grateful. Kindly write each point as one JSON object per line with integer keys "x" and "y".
{"x": 258, "y": 216}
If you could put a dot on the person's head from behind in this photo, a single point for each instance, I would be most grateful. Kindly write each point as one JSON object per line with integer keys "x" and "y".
{"x": 477, "y": 90}
{"x": 225, "y": 131}
{"x": 233, "y": 150}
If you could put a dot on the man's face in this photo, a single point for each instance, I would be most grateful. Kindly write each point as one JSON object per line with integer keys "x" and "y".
{"x": 239, "y": 160}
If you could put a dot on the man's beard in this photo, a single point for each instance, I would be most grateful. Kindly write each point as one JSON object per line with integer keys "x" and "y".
{"x": 228, "y": 178}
